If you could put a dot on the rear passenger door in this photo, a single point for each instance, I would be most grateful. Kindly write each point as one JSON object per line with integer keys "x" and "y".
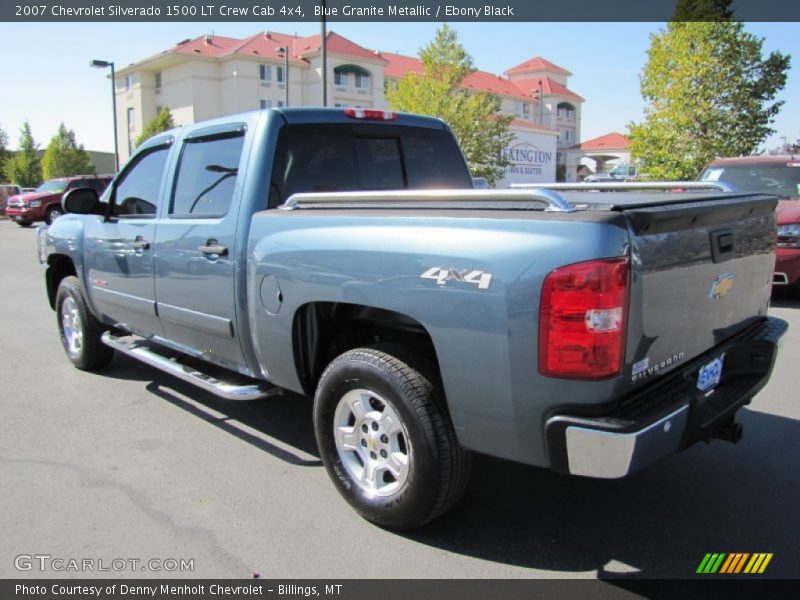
{"x": 195, "y": 245}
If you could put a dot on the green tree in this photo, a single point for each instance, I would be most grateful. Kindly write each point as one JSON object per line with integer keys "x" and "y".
{"x": 24, "y": 167}
{"x": 3, "y": 152}
{"x": 161, "y": 122}
{"x": 481, "y": 132}
{"x": 703, "y": 10}
{"x": 709, "y": 92}
{"x": 65, "y": 157}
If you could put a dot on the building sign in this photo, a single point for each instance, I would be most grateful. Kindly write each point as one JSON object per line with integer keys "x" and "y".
{"x": 532, "y": 159}
{"x": 527, "y": 159}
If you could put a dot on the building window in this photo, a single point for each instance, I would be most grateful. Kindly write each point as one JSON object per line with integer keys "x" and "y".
{"x": 340, "y": 78}
{"x": 128, "y": 82}
{"x": 281, "y": 76}
{"x": 566, "y": 112}
{"x": 158, "y": 80}
{"x": 280, "y": 103}
{"x": 265, "y": 72}
{"x": 522, "y": 109}
{"x": 266, "y": 104}
{"x": 362, "y": 81}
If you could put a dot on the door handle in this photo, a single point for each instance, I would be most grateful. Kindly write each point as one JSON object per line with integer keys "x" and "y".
{"x": 139, "y": 244}
{"x": 213, "y": 248}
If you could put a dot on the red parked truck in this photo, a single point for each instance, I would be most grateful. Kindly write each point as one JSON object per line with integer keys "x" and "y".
{"x": 45, "y": 203}
{"x": 778, "y": 175}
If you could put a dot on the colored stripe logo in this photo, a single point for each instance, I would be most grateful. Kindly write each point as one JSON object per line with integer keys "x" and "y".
{"x": 734, "y": 563}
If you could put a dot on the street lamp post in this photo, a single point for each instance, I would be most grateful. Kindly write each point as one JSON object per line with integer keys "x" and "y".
{"x": 104, "y": 64}
{"x": 285, "y": 50}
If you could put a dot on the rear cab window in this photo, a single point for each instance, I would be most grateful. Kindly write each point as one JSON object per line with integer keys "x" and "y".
{"x": 206, "y": 176}
{"x": 364, "y": 157}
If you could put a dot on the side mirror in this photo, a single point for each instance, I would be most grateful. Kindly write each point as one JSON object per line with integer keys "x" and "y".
{"x": 81, "y": 201}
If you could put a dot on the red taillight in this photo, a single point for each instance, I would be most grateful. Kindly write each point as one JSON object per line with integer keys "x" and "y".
{"x": 582, "y": 319}
{"x": 371, "y": 114}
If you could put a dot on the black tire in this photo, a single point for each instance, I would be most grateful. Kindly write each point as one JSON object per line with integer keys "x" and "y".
{"x": 51, "y": 211}
{"x": 90, "y": 353}
{"x": 24, "y": 223}
{"x": 438, "y": 467}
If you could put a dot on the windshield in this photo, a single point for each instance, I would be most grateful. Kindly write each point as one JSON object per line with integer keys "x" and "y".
{"x": 54, "y": 186}
{"x": 781, "y": 179}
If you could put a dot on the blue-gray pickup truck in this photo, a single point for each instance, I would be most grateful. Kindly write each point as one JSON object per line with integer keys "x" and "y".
{"x": 343, "y": 254}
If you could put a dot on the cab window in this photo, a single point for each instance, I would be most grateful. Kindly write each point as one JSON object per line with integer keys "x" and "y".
{"x": 207, "y": 175}
{"x": 136, "y": 195}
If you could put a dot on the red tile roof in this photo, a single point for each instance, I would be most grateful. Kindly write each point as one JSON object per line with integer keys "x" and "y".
{"x": 548, "y": 86}
{"x": 337, "y": 45}
{"x": 266, "y": 44}
{"x": 488, "y": 82}
{"x": 398, "y": 65}
{"x": 213, "y": 46}
{"x": 613, "y": 140}
{"x": 537, "y": 63}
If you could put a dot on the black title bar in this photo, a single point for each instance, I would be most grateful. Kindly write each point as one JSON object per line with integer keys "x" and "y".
{"x": 375, "y": 10}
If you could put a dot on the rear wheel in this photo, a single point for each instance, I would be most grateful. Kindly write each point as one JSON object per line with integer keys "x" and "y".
{"x": 80, "y": 330}
{"x": 24, "y": 223}
{"x": 386, "y": 439}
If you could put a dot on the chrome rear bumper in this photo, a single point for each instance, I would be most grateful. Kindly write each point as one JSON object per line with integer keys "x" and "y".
{"x": 610, "y": 455}
{"x": 666, "y": 416}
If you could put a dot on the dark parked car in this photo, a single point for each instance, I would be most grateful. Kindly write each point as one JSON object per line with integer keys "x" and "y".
{"x": 45, "y": 203}
{"x": 778, "y": 175}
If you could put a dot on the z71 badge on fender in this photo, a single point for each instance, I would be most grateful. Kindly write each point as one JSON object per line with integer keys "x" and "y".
{"x": 442, "y": 275}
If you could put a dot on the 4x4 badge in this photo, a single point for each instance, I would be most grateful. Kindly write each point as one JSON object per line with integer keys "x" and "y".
{"x": 442, "y": 275}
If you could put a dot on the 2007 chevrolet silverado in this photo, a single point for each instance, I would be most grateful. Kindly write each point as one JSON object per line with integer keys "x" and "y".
{"x": 341, "y": 254}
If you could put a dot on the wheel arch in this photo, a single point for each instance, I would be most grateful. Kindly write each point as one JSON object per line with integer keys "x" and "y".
{"x": 59, "y": 266}
{"x": 321, "y": 331}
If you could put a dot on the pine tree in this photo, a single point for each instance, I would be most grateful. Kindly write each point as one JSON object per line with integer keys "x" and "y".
{"x": 161, "y": 122}
{"x": 24, "y": 167}
{"x": 64, "y": 157}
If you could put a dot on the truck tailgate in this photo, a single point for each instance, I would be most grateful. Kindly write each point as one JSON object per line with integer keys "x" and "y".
{"x": 701, "y": 272}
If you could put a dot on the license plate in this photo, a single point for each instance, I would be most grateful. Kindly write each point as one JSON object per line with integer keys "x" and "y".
{"x": 710, "y": 374}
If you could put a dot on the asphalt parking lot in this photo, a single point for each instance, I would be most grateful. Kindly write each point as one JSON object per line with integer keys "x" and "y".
{"x": 133, "y": 464}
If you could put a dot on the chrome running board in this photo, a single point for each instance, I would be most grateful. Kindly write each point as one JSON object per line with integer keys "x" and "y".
{"x": 237, "y": 387}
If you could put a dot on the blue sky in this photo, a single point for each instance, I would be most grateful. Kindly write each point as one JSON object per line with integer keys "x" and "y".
{"x": 48, "y": 79}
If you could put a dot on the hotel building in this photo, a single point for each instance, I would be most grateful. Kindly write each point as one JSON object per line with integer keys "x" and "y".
{"x": 211, "y": 76}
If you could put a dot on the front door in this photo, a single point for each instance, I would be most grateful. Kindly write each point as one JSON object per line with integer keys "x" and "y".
{"x": 195, "y": 240}
{"x": 119, "y": 250}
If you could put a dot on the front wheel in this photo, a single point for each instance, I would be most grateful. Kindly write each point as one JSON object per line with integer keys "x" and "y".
{"x": 80, "y": 330}
{"x": 24, "y": 223}
{"x": 386, "y": 439}
{"x": 52, "y": 214}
